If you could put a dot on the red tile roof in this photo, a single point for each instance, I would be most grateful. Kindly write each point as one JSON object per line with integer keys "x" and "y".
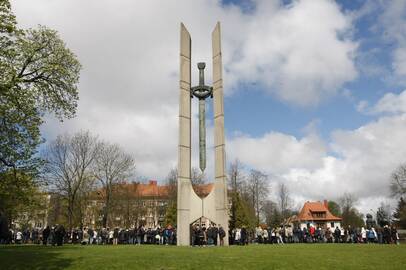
{"x": 152, "y": 189}
{"x": 311, "y": 208}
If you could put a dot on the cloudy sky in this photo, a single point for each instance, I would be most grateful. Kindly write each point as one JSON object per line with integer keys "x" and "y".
{"x": 315, "y": 89}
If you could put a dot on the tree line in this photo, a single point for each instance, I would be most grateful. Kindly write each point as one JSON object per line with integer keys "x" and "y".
{"x": 78, "y": 165}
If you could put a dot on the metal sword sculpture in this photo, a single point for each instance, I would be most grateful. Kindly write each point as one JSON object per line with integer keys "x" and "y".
{"x": 202, "y": 92}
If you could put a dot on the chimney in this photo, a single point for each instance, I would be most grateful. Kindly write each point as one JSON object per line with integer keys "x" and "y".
{"x": 326, "y": 203}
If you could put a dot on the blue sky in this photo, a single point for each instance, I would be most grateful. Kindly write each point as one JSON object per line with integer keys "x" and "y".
{"x": 339, "y": 112}
{"x": 314, "y": 88}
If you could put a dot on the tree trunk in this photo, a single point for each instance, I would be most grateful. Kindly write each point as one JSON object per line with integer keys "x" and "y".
{"x": 106, "y": 207}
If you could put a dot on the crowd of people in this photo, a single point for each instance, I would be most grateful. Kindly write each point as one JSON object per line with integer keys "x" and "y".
{"x": 211, "y": 236}
{"x": 57, "y": 235}
{"x": 200, "y": 235}
{"x": 312, "y": 234}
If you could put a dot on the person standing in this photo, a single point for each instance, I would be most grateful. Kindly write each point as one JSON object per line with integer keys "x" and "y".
{"x": 91, "y": 235}
{"x": 111, "y": 235}
{"x": 115, "y": 236}
{"x": 140, "y": 235}
{"x": 371, "y": 235}
{"x": 363, "y": 235}
{"x": 244, "y": 236}
{"x": 222, "y": 234}
{"x": 337, "y": 234}
{"x": 59, "y": 234}
{"x": 19, "y": 237}
{"x": 386, "y": 235}
{"x": 238, "y": 236}
{"x": 45, "y": 235}
{"x": 394, "y": 235}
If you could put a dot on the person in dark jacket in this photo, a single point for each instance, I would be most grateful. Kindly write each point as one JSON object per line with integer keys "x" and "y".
{"x": 140, "y": 235}
{"x": 222, "y": 234}
{"x": 386, "y": 235}
{"x": 394, "y": 235}
{"x": 244, "y": 236}
{"x": 3, "y": 229}
{"x": 59, "y": 234}
{"x": 337, "y": 234}
{"x": 45, "y": 235}
{"x": 215, "y": 235}
{"x": 115, "y": 236}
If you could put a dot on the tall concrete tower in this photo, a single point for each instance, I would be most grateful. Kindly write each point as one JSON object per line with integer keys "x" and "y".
{"x": 191, "y": 207}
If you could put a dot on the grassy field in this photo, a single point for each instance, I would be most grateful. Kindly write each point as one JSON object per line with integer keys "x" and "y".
{"x": 317, "y": 256}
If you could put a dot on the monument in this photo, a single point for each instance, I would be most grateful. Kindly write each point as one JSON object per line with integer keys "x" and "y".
{"x": 191, "y": 207}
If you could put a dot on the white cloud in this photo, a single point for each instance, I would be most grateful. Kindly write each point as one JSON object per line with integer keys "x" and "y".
{"x": 357, "y": 161}
{"x": 362, "y": 106}
{"x": 391, "y": 103}
{"x": 301, "y": 53}
{"x": 393, "y": 22}
{"x": 129, "y": 52}
{"x": 277, "y": 153}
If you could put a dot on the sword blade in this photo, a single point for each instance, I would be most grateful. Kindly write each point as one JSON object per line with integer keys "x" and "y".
{"x": 202, "y": 134}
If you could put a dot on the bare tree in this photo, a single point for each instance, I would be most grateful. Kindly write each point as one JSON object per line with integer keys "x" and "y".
{"x": 284, "y": 200}
{"x": 258, "y": 189}
{"x": 126, "y": 204}
{"x": 398, "y": 181}
{"x": 112, "y": 166}
{"x": 67, "y": 168}
{"x": 237, "y": 177}
{"x": 172, "y": 184}
{"x": 350, "y": 214}
{"x": 347, "y": 202}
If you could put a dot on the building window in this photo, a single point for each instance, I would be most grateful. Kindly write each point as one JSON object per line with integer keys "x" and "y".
{"x": 319, "y": 214}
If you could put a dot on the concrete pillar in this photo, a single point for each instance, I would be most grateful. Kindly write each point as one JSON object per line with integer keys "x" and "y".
{"x": 220, "y": 184}
{"x": 184, "y": 147}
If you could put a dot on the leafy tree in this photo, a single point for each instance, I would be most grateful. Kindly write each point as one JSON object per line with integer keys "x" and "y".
{"x": 7, "y": 20}
{"x": 19, "y": 200}
{"x": 236, "y": 179}
{"x": 350, "y": 215}
{"x": 400, "y": 214}
{"x": 171, "y": 214}
{"x": 171, "y": 207}
{"x": 273, "y": 216}
{"x": 244, "y": 213}
{"x": 334, "y": 208}
{"x": 38, "y": 75}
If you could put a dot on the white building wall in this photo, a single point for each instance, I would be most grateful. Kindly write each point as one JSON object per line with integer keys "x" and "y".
{"x": 303, "y": 224}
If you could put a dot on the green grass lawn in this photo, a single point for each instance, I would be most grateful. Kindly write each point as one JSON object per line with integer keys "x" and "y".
{"x": 295, "y": 256}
